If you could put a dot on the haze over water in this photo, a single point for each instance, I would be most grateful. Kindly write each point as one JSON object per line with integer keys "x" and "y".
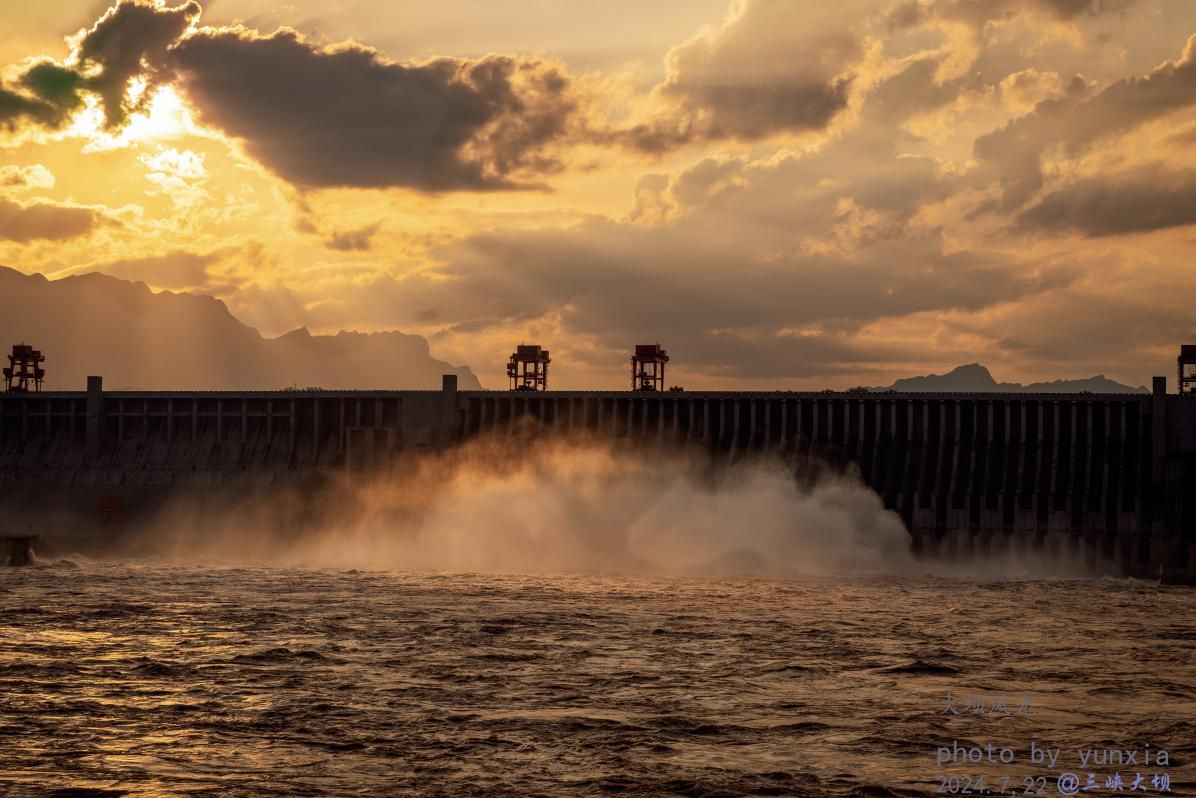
{"x": 204, "y": 680}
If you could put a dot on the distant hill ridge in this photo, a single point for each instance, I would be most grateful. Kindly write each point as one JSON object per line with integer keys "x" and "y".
{"x": 137, "y": 339}
{"x": 975, "y": 378}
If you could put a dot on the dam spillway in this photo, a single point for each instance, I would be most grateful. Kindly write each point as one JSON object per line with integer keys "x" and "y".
{"x": 1108, "y": 477}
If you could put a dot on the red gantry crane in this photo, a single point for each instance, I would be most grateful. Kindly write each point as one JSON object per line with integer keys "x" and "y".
{"x": 528, "y": 368}
{"x": 24, "y": 373}
{"x": 647, "y": 367}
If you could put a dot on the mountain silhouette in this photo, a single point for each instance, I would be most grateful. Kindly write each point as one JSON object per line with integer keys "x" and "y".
{"x": 975, "y": 378}
{"x": 137, "y": 339}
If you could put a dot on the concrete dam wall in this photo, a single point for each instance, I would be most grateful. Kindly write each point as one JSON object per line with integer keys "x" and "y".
{"x": 1108, "y": 478}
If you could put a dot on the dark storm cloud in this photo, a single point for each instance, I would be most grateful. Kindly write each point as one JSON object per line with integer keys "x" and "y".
{"x": 16, "y": 108}
{"x": 1075, "y": 123}
{"x": 129, "y": 41}
{"x": 55, "y": 85}
{"x": 1155, "y": 199}
{"x": 46, "y": 95}
{"x": 44, "y": 221}
{"x": 322, "y": 117}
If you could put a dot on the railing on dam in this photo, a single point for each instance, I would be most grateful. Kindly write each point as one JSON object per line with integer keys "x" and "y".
{"x": 1107, "y": 474}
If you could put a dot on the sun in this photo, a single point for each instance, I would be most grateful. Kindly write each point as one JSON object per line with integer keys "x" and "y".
{"x": 164, "y": 117}
{"x": 167, "y": 117}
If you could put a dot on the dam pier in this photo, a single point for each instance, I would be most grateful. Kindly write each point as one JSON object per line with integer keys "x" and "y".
{"x": 1108, "y": 478}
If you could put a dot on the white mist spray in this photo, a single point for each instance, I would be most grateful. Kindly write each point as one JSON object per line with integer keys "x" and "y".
{"x": 585, "y": 507}
{"x": 530, "y": 506}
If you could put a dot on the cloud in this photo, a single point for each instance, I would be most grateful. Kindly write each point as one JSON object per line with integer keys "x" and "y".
{"x": 358, "y": 240}
{"x": 345, "y": 116}
{"x": 175, "y": 270}
{"x": 706, "y": 178}
{"x": 1156, "y": 198}
{"x": 651, "y": 206}
{"x": 913, "y": 90}
{"x": 180, "y": 175}
{"x": 636, "y": 280}
{"x": 748, "y": 269}
{"x": 32, "y": 176}
{"x": 1022, "y": 91}
{"x": 45, "y": 221}
{"x": 658, "y": 196}
{"x": 773, "y": 67}
{"x": 982, "y": 12}
{"x": 183, "y": 164}
{"x": 1115, "y": 328}
{"x": 1075, "y": 122}
{"x": 741, "y": 305}
{"x": 1185, "y": 137}
{"x": 45, "y": 95}
{"x": 125, "y": 44}
{"x": 319, "y": 117}
{"x": 130, "y": 41}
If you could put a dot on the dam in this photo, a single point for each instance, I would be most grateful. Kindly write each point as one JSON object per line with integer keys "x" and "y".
{"x": 1109, "y": 478}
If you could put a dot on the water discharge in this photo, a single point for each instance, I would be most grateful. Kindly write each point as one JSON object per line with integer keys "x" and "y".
{"x": 555, "y": 507}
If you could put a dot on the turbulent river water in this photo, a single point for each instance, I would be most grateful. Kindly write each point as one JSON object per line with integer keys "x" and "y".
{"x": 161, "y": 680}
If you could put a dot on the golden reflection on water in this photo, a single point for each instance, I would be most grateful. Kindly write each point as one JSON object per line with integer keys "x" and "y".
{"x": 276, "y": 682}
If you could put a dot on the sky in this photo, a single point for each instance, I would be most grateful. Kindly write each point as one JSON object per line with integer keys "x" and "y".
{"x": 785, "y": 195}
